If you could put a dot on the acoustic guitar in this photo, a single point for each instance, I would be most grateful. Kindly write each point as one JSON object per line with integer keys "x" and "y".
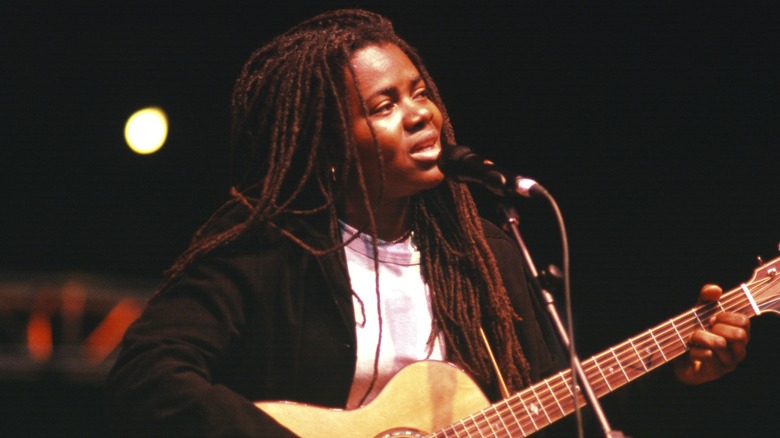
{"x": 437, "y": 399}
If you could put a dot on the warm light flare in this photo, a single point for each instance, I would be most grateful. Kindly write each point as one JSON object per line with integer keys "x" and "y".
{"x": 146, "y": 130}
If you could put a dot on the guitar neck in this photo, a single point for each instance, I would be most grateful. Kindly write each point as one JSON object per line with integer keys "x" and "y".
{"x": 554, "y": 398}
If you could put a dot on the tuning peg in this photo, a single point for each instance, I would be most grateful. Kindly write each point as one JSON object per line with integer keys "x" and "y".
{"x": 760, "y": 260}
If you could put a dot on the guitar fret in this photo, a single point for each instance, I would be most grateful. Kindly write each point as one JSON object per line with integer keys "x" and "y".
{"x": 485, "y": 420}
{"x": 598, "y": 367}
{"x": 646, "y": 350}
{"x": 529, "y": 412}
{"x": 565, "y": 381}
{"x": 629, "y": 358}
{"x": 638, "y": 356}
{"x": 682, "y": 341}
{"x": 619, "y": 364}
{"x": 563, "y": 413}
{"x": 612, "y": 376}
{"x": 516, "y": 421}
{"x": 574, "y": 391}
{"x": 696, "y": 314}
{"x": 647, "y": 347}
{"x": 473, "y": 420}
{"x": 658, "y": 345}
{"x": 465, "y": 428}
{"x": 568, "y": 401}
{"x": 501, "y": 419}
{"x": 489, "y": 424}
{"x": 544, "y": 411}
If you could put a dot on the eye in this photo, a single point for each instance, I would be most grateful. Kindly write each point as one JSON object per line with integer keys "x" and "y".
{"x": 421, "y": 93}
{"x": 383, "y": 108}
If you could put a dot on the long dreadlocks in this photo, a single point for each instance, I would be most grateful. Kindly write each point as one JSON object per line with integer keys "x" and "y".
{"x": 292, "y": 139}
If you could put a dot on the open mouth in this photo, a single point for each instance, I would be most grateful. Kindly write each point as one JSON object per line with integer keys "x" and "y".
{"x": 426, "y": 151}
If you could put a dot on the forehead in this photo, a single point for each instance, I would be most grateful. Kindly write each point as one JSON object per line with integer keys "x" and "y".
{"x": 379, "y": 66}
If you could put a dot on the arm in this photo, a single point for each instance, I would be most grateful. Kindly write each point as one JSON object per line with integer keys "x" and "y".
{"x": 166, "y": 379}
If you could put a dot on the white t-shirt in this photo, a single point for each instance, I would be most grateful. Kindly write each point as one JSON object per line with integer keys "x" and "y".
{"x": 404, "y": 302}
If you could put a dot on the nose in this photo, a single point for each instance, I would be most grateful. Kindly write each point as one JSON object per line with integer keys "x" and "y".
{"x": 417, "y": 114}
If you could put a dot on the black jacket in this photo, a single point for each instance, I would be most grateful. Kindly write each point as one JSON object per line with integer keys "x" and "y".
{"x": 260, "y": 319}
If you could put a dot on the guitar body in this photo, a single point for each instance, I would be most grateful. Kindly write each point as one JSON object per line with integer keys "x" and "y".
{"x": 421, "y": 398}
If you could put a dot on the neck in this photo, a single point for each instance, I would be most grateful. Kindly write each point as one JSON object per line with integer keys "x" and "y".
{"x": 392, "y": 217}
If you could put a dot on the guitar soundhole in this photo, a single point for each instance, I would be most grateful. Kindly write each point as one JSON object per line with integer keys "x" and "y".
{"x": 401, "y": 433}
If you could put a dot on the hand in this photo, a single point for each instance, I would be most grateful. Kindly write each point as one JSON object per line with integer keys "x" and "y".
{"x": 716, "y": 352}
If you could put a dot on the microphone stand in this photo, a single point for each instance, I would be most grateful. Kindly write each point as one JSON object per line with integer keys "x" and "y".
{"x": 513, "y": 220}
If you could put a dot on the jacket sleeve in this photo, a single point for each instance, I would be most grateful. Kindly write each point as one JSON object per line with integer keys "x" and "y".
{"x": 163, "y": 382}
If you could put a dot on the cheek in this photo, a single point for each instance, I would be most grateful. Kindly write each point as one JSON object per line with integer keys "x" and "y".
{"x": 362, "y": 135}
{"x": 438, "y": 119}
{"x": 366, "y": 149}
{"x": 389, "y": 134}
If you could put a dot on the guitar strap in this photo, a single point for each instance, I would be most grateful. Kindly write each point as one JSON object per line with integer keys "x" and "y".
{"x": 501, "y": 383}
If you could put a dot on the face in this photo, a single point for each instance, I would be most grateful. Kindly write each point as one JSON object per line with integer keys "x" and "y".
{"x": 406, "y": 122}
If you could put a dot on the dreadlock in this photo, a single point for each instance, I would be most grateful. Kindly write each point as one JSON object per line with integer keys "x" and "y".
{"x": 295, "y": 152}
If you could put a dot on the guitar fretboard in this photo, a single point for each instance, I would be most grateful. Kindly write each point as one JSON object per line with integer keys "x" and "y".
{"x": 554, "y": 398}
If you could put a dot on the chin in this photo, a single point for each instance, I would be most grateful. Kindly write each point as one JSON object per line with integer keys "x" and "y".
{"x": 433, "y": 182}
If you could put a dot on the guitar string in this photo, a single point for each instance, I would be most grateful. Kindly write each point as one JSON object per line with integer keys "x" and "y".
{"x": 627, "y": 350}
{"x": 735, "y": 300}
{"x": 545, "y": 401}
{"x": 630, "y": 353}
{"x": 633, "y": 346}
{"x": 630, "y": 349}
{"x": 662, "y": 337}
{"x": 550, "y": 399}
{"x": 707, "y": 310}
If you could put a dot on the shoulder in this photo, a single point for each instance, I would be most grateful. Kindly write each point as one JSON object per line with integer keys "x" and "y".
{"x": 245, "y": 247}
{"x": 282, "y": 231}
{"x": 499, "y": 241}
{"x": 229, "y": 259}
{"x": 492, "y": 231}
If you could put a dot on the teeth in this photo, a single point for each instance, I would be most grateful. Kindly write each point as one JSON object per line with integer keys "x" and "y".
{"x": 424, "y": 148}
{"x": 427, "y": 152}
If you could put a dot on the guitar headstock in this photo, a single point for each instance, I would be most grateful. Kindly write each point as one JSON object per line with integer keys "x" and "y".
{"x": 765, "y": 286}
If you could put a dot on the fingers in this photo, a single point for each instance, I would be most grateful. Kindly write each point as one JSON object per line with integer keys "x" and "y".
{"x": 734, "y": 326}
{"x": 725, "y": 345}
{"x": 735, "y": 329}
{"x": 727, "y": 340}
{"x": 710, "y": 293}
{"x": 706, "y": 349}
{"x": 707, "y": 340}
{"x": 728, "y": 330}
{"x": 715, "y": 352}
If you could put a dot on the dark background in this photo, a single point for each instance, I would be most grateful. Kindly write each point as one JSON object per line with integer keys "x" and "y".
{"x": 654, "y": 127}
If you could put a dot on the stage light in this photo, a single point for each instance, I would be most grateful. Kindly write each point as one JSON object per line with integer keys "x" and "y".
{"x": 146, "y": 130}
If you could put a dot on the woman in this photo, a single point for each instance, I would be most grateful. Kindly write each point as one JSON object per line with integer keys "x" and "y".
{"x": 343, "y": 255}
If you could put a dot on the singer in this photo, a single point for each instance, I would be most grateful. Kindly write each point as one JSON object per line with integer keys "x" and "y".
{"x": 342, "y": 256}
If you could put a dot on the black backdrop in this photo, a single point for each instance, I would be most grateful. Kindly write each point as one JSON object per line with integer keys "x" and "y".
{"x": 655, "y": 128}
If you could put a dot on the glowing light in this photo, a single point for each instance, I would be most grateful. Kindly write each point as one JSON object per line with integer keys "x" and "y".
{"x": 146, "y": 130}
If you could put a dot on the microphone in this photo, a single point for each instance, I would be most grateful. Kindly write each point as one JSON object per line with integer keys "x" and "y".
{"x": 464, "y": 165}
